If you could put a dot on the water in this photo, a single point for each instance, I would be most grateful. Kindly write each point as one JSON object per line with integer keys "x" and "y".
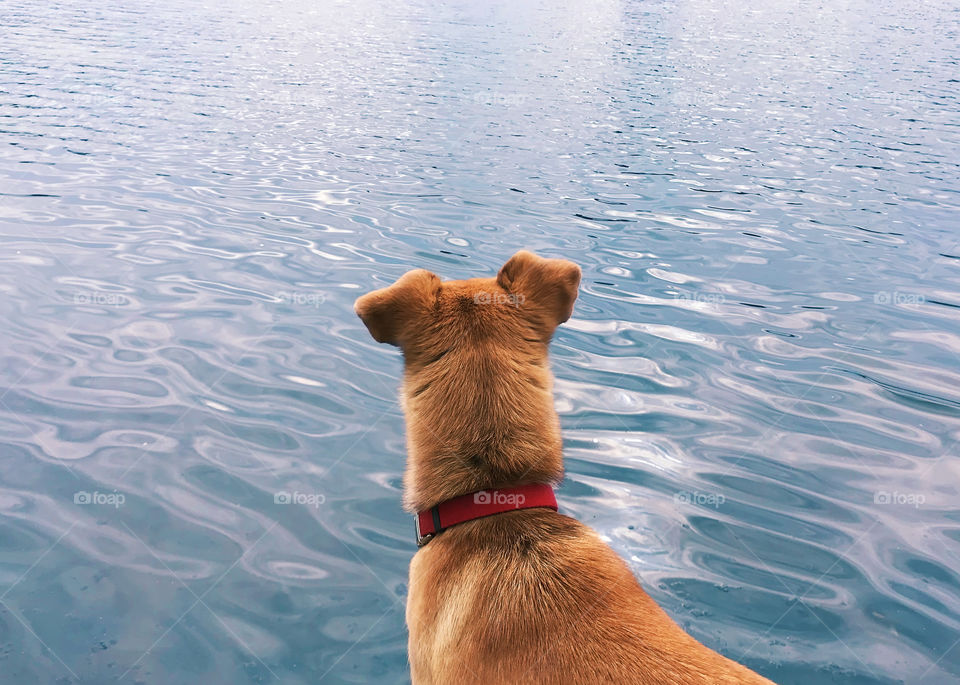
{"x": 758, "y": 390}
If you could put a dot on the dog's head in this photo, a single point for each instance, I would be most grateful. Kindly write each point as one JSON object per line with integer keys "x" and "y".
{"x": 530, "y": 295}
{"x": 477, "y": 387}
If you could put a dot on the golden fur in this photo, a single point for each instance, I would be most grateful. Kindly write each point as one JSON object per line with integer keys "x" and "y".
{"x": 529, "y": 596}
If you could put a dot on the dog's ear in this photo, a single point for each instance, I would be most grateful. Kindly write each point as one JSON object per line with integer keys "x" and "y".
{"x": 545, "y": 287}
{"x": 389, "y": 312}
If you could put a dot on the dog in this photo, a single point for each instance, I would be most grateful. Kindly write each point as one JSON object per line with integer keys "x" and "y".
{"x": 505, "y": 590}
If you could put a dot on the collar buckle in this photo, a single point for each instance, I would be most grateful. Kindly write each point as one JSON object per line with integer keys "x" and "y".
{"x": 421, "y": 539}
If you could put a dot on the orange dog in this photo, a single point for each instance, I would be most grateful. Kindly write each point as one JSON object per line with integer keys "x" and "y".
{"x": 527, "y": 595}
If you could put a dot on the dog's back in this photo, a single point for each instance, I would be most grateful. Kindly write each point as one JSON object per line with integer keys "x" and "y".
{"x": 536, "y": 597}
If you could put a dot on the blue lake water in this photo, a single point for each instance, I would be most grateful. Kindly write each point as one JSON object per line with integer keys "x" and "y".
{"x": 200, "y": 446}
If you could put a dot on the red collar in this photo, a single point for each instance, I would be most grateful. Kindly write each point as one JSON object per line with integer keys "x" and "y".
{"x": 433, "y": 521}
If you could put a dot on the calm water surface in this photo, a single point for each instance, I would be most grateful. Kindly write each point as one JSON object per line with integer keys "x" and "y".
{"x": 200, "y": 447}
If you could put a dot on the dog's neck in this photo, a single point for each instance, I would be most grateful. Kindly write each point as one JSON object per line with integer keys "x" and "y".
{"x": 477, "y": 425}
